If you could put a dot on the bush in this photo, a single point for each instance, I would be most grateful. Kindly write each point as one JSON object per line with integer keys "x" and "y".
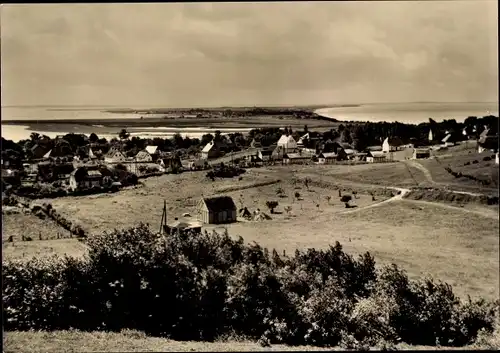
{"x": 346, "y": 198}
{"x": 487, "y": 158}
{"x": 207, "y": 286}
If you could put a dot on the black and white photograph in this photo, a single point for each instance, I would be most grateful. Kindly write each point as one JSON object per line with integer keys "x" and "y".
{"x": 250, "y": 176}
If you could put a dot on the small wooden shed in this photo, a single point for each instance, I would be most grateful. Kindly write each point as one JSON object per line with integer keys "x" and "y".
{"x": 217, "y": 210}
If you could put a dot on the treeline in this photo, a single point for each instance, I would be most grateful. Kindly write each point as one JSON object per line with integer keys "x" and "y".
{"x": 203, "y": 287}
{"x": 360, "y": 135}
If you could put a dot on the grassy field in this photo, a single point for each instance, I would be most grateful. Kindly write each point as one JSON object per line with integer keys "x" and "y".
{"x": 42, "y": 248}
{"x": 132, "y": 341}
{"x": 144, "y": 204}
{"x": 422, "y": 238}
{"x": 17, "y": 225}
{"x": 463, "y": 163}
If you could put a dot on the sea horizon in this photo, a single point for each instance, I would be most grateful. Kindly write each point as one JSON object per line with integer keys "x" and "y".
{"x": 408, "y": 113}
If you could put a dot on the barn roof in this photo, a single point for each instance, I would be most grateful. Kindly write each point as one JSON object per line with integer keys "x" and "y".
{"x": 220, "y": 203}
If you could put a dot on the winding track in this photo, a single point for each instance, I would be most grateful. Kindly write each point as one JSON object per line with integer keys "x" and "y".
{"x": 480, "y": 211}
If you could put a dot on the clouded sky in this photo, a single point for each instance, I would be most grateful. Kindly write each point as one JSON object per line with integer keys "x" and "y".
{"x": 249, "y": 54}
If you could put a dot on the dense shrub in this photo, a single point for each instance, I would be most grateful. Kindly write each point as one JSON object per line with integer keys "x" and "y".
{"x": 206, "y": 286}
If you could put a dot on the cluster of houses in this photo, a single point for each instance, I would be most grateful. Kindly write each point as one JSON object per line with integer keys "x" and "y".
{"x": 311, "y": 148}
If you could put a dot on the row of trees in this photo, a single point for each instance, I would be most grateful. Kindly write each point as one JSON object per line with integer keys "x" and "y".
{"x": 359, "y": 135}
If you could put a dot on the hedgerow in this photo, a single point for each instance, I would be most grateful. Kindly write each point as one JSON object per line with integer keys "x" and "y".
{"x": 201, "y": 287}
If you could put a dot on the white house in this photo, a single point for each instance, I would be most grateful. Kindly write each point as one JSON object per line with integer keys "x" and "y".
{"x": 376, "y": 157}
{"x": 84, "y": 178}
{"x": 391, "y": 144}
{"x": 114, "y": 156}
{"x": 152, "y": 149}
{"x": 350, "y": 153}
{"x": 143, "y": 156}
{"x": 296, "y": 158}
{"x": 301, "y": 140}
{"x": 210, "y": 151}
{"x": 287, "y": 143}
{"x": 91, "y": 154}
{"x": 431, "y": 136}
{"x": 327, "y": 157}
{"x": 496, "y": 158}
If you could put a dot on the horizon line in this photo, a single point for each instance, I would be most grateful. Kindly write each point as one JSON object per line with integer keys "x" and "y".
{"x": 236, "y": 106}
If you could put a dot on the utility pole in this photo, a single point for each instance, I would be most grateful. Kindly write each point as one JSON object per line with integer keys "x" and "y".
{"x": 163, "y": 222}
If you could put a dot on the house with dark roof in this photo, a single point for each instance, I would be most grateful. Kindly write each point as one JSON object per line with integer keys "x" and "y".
{"x": 392, "y": 144}
{"x": 83, "y": 177}
{"x": 488, "y": 141}
{"x": 39, "y": 150}
{"x": 376, "y": 157}
{"x": 255, "y": 144}
{"x": 297, "y": 158}
{"x": 421, "y": 153}
{"x": 213, "y": 149}
{"x": 217, "y": 210}
{"x": 170, "y": 162}
{"x": 266, "y": 153}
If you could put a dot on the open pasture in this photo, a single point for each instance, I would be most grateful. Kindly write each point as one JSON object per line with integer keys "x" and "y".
{"x": 422, "y": 239}
{"x": 467, "y": 163}
{"x": 19, "y": 224}
{"x": 98, "y": 213}
{"x": 395, "y": 174}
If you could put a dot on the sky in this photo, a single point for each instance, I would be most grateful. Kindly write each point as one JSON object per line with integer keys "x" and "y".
{"x": 223, "y": 54}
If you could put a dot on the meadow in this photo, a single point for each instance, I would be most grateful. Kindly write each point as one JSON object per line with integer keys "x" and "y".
{"x": 422, "y": 237}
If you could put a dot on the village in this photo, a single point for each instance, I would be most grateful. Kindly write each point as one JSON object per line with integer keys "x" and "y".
{"x": 91, "y": 171}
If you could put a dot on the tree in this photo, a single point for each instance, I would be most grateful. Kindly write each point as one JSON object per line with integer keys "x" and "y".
{"x": 218, "y": 136}
{"x": 345, "y": 136}
{"x": 177, "y": 140}
{"x": 288, "y": 209}
{"x": 93, "y": 138}
{"x": 306, "y": 129}
{"x": 205, "y": 139}
{"x": 307, "y": 181}
{"x": 35, "y": 136}
{"x": 297, "y": 195}
{"x": 346, "y": 198}
{"x": 328, "y": 198}
{"x": 271, "y": 205}
{"x": 123, "y": 134}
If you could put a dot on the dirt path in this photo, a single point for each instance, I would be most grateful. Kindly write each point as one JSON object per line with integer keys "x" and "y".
{"x": 428, "y": 176}
{"x": 484, "y": 212}
{"x": 424, "y": 170}
{"x": 402, "y": 193}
